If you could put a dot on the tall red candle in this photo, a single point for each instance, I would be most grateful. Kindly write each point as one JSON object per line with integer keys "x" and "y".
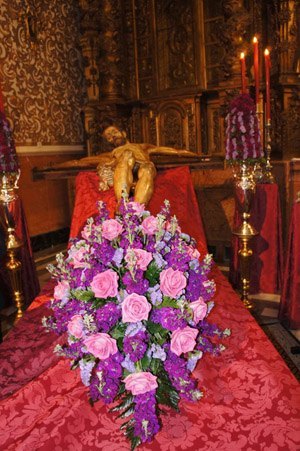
{"x": 243, "y": 72}
{"x": 267, "y": 69}
{"x": 256, "y": 70}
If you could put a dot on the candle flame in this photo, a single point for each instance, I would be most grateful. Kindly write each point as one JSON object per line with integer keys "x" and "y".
{"x": 266, "y": 52}
{"x": 242, "y": 56}
{"x": 255, "y": 40}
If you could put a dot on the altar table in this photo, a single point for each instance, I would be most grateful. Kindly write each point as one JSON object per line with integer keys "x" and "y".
{"x": 251, "y": 399}
{"x": 289, "y": 310}
{"x": 267, "y": 259}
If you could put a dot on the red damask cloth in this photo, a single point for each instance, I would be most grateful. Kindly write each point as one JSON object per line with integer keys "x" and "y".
{"x": 251, "y": 399}
{"x": 289, "y": 311}
{"x": 267, "y": 258}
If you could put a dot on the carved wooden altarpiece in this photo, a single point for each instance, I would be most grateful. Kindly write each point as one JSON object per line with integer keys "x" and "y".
{"x": 166, "y": 70}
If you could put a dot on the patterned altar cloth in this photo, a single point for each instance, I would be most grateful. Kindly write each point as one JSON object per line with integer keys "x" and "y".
{"x": 251, "y": 398}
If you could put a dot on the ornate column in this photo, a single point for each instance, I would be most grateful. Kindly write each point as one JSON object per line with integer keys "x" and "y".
{"x": 233, "y": 37}
{"x": 285, "y": 19}
{"x": 90, "y": 45}
{"x": 111, "y": 36}
{"x": 102, "y": 48}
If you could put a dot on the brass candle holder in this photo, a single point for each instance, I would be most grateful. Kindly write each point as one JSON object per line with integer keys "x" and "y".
{"x": 8, "y": 186}
{"x": 244, "y": 190}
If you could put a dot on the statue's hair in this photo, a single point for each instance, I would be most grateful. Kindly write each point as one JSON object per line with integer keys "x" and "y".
{"x": 109, "y": 122}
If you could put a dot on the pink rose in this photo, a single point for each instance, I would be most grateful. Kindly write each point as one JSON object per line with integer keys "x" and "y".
{"x": 139, "y": 383}
{"x": 75, "y": 326}
{"x": 143, "y": 258}
{"x": 101, "y": 345}
{"x": 135, "y": 308}
{"x": 105, "y": 284}
{"x": 199, "y": 308}
{"x": 111, "y": 229}
{"x": 77, "y": 256}
{"x": 183, "y": 340}
{"x": 137, "y": 207}
{"x": 62, "y": 290}
{"x": 172, "y": 282}
{"x": 193, "y": 253}
{"x": 150, "y": 225}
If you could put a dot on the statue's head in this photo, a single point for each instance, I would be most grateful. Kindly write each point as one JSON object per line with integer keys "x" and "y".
{"x": 113, "y": 133}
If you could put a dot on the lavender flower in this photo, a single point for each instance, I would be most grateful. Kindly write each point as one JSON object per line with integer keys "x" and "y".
{"x": 155, "y": 295}
{"x": 86, "y": 371}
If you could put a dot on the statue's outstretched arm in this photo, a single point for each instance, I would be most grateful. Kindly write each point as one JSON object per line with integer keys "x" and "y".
{"x": 93, "y": 161}
{"x": 162, "y": 150}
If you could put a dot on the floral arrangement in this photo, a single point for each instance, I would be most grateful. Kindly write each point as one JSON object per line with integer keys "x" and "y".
{"x": 243, "y": 143}
{"x": 133, "y": 299}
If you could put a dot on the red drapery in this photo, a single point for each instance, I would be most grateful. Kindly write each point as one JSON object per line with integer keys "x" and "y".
{"x": 251, "y": 398}
{"x": 289, "y": 311}
{"x": 266, "y": 263}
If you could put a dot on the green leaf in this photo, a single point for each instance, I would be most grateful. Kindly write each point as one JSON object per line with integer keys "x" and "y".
{"x": 118, "y": 331}
{"x": 155, "y": 365}
{"x": 135, "y": 442}
{"x": 155, "y": 328}
{"x": 168, "y": 302}
{"x": 145, "y": 362}
{"x": 152, "y": 273}
{"x": 82, "y": 295}
{"x": 127, "y": 412}
{"x": 126, "y": 402}
{"x": 166, "y": 393}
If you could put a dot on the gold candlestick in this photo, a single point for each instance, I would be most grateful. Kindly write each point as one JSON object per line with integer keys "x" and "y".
{"x": 244, "y": 190}
{"x": 8, "y": 186}
{"x": 268, "y": 176}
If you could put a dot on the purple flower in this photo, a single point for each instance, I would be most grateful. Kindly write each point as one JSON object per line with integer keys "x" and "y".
{"x": 106, "y": 379}
{"x": 135, "y": 346}
{"x": 169, "y": 318}
{"x": 180, "y": 376}
{"x": 138, "y": 285}
{"x": 146, "y": 422}
{"x": 107, "y": 316}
